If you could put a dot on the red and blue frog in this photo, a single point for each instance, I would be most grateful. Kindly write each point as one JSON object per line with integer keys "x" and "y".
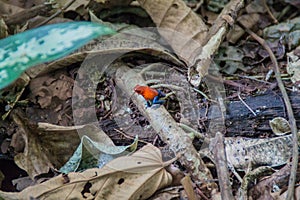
{"x": 152, "y": 96}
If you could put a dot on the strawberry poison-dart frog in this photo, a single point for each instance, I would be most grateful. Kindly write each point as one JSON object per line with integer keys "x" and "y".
{"x": 152, "y": 96}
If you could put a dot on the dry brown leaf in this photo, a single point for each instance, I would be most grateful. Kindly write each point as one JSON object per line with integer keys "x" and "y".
{"x": 77, "y": 6}
{"x": 283, "y": 196}
{"x": 8, "y": 9}
{"x": 45, "y": 88}
{"x": 130, "y": 177}
{"x": 51, "y": 146}
{"x": 48, "y": 146}
{"x": 3, "y": 29}
{"x": 186, "y": 30}
{"x": 188, "y": 187}
{"x": 250, "y": 20}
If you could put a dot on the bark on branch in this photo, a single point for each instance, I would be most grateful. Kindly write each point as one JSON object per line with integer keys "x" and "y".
{"x": 162, "y": 122}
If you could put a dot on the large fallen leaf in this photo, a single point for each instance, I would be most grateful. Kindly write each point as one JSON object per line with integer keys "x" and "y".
{"x": 43, "y": 44}
{"x": 51, "y": 146}
{"x": 179, "y": 25}
{"x": 130, "y": 177}
{"x": 129, "y": 39}
{"x": 91, "y": 154}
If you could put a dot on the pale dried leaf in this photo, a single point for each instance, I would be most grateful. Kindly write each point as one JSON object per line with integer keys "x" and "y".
{"x": 280, "y": 126}
{"x": 293, "y": 66}
{"x": 178, "y": 24}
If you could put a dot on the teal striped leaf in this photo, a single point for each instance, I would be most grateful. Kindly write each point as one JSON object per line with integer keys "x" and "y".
{"x": 44, "y": 44}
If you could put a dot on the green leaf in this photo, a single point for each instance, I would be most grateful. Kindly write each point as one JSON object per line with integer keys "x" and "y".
{"x": 90, "y": 154}
{"x": 44, "y": 44}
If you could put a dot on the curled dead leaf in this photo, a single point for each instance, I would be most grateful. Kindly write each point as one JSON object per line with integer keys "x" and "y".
{"x": 280, "y": 126}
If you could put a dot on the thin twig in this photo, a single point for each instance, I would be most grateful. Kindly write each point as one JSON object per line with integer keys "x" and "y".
{"x": 254, "y": 79}
{"x": 130, "y": 137}
{"x": 292, "y": 180}
{"x": 26, "y": 14}
{"x": 203, "y": 94}
{"x": 56, "y": 14}
{"x": 269, "y": 12}
{"x": 194, "y": 132}
{"x": 246, "y": 104}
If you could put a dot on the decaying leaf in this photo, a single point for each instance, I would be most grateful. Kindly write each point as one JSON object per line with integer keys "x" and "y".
{"x": 280, "y": 126}
{"x": 216, "y": 5}
{"x": 45, "y": 88}
{"x": 283, "y": 196}
{"x": 242, "y": 151}
{"x": 259, "y": 152}
{"x": 230, "y": 59}
{"x": 293, "y": 66}
{"x": 129, "y": 177}
{"x": 288, "y": 32}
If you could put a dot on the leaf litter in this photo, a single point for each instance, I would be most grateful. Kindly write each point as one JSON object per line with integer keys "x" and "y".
{"x": 48, "y": 146}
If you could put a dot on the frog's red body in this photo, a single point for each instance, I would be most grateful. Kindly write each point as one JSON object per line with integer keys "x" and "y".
{"x": 152, "y": 96}
{"x": 147, "y": 92}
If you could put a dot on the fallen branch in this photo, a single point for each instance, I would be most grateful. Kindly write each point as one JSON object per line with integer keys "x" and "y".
{"x": 179, "y": 142}
{"x": 213, "y": 40}
{"x": 222, "y": 168}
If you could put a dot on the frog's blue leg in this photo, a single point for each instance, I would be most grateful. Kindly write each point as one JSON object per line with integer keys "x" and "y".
{"x": 156, "y": 100}
{"x": 160, "y": 94}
